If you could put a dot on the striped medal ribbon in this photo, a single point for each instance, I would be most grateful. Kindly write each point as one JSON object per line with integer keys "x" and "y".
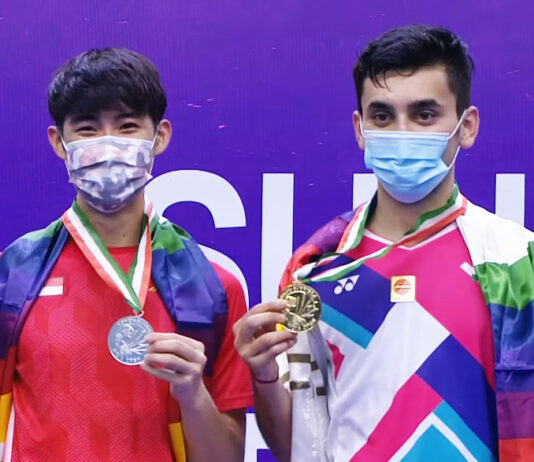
{"x": 427, "y": 224}
{"x": 126, "y": 337}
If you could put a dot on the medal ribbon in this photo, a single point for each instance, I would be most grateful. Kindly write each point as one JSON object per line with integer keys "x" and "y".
{"x": 426, "y": 225}
{"x": 134, "y": 285}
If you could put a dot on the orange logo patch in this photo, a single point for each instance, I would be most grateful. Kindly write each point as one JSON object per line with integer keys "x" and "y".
{"x": 402, "y": 289}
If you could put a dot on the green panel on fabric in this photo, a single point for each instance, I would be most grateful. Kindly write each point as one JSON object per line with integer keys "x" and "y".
{"x": 507, "y": 285}
{"x": 50, "y": 231}
{"x": 169, "y": 237}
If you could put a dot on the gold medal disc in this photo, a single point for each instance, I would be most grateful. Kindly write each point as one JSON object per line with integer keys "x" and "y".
{"x": 303, "y": 307}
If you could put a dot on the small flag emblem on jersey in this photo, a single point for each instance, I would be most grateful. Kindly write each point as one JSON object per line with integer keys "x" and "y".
{"x": 402, "y": 289}
{"x": 54, "y": 286}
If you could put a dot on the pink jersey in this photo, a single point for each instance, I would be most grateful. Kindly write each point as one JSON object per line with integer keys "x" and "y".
{"x": 414, "y": 380}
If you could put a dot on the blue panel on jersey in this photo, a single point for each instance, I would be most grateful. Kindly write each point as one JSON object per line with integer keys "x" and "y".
{"x": 367, "y": 303}
{"x": 346, "y": 326}
{"x": 476, "y": 447}
{"x": 433, "y": 446}
{"x": 460, "y": 380}
{"x": 264, "y": 455}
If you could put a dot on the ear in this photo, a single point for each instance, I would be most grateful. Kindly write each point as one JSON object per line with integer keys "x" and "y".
{"x": 469, "y": 128}
{"x": 163, "y": 136}
{"x": 54, "y": 138}
{"x": 357, "y": 129}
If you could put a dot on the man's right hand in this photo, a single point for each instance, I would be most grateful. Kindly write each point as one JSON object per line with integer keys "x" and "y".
{"x": 258, "y": 342}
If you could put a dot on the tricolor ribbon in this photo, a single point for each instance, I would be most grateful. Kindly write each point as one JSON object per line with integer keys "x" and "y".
{"x": 134, "y": 285}
{"x": 427, "y": 224}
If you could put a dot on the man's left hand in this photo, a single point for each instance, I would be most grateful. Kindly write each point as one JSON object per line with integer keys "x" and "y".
{"x": 177, "y": 359}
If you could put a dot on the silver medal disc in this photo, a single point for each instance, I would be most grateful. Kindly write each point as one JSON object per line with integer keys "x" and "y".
{"x": 126, "y": 340}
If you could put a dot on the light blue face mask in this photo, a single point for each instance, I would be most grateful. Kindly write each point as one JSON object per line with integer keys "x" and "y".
{"x": 408, "y": 165}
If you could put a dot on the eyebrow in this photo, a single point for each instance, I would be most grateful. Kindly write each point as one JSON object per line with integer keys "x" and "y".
{"x": 424, "y": 104}
{"x": 380, "y": 105}
{"x": 418, "y": 105}
{"x": 77, "y": 118}
{"x": 91, "y": 117}
{"x": 127, "y": 115}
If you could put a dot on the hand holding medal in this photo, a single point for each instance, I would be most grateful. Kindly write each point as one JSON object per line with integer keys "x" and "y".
{"x": 259, "y": 342}
{"x": 270, "y": 328}
{"x": 177, "y": 359}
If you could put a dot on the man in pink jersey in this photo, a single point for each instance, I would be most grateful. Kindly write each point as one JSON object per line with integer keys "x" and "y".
{"x": 116, "y": 337}
{"x": 424, "y": 350}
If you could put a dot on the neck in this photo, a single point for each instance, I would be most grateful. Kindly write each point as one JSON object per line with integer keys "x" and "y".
{"x": 391, "y": 219}
{"x": 119, "y": 229}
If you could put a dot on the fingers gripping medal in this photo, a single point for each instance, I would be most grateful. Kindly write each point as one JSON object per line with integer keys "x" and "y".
{"x": 126, "y": 339}
{"x": 303, "y": 307}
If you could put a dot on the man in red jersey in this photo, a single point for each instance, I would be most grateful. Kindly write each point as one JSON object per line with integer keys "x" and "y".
{"x": 111, "y": 286}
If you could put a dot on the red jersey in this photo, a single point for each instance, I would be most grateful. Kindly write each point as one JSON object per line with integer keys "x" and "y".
{"x": 73, "y": 401}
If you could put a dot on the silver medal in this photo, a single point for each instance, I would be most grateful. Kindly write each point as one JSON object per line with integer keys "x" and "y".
{"x": 126, "y": 340}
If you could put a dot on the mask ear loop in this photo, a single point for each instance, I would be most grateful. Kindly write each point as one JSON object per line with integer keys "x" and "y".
{"x": 462, "y": 117}
{"x": 154, "y": 141}
{"x": 66, "y": 153}
{"x": 63, "y": 143}
{"x": 361, "y": 126}
{"x": 454, "y": 133}
{"x": 152, "y": 146}
{"x": 453, "y": 159}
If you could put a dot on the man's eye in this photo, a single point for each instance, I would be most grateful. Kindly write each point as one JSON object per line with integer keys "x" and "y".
{"x": 129, "y": 126}
{"x": 426, "y": 115}
{"x": 381, "y": 118}
{"x": 85, "y": 128}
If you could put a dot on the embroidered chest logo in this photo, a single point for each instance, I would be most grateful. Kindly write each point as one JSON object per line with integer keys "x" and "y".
{"x": 346, "y": 284}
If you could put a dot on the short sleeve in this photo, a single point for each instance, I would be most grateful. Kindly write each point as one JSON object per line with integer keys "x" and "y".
{"x": 230, "y": 385}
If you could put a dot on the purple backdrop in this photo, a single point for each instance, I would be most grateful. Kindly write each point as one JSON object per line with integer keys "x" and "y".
{"x": 253, "y": 88}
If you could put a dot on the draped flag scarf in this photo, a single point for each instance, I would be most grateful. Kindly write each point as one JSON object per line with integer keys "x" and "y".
{"x": 189, "y": 287}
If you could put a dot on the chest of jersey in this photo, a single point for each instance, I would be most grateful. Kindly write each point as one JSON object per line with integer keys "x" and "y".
{"x": 415, "y": 375}
{"x": 70, "y": 394}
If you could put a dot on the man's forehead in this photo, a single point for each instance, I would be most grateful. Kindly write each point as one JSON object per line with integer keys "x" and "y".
{"x": 410, "y": 85}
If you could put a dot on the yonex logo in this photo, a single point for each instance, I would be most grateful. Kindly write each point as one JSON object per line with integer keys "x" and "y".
{"x": 345, "y": 284}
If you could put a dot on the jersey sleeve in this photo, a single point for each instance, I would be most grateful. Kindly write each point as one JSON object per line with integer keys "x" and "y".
{"x": 230, "y": 385}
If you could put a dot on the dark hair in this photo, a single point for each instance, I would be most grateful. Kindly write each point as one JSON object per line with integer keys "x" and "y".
{"x": 407, "y": 49}
{"x": 103, "y": 79}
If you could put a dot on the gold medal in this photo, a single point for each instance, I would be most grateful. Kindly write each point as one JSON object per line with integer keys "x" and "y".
{"x": 303, "y": 307}
{"x": 402, "y": 289}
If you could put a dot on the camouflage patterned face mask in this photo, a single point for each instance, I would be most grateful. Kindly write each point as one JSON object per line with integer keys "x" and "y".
{"x": 108, "y": 170}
